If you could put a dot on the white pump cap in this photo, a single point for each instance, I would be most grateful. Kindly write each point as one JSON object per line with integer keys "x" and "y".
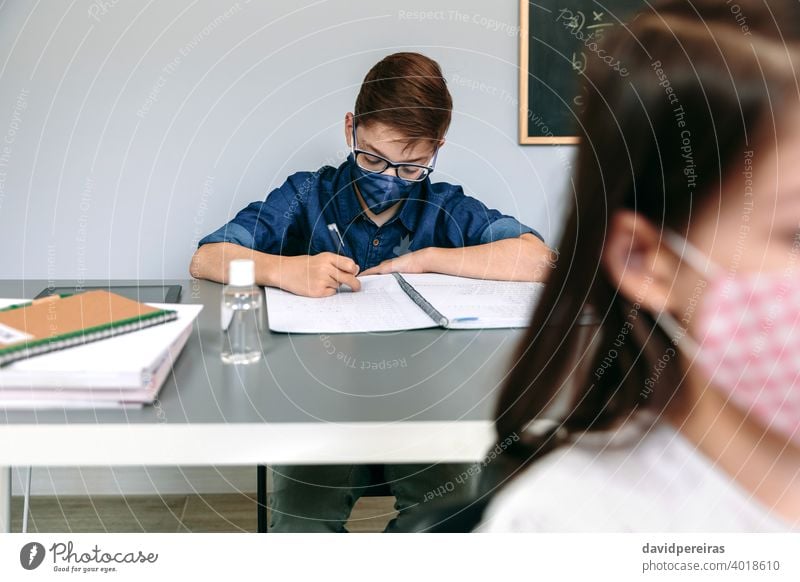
{"x": 242, "y": 273}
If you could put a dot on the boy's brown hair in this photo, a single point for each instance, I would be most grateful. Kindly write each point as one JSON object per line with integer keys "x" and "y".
{"x": 407, "y": 92}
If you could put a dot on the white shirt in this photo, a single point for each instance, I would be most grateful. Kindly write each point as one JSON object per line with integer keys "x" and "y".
{"x": 627, "y": 482}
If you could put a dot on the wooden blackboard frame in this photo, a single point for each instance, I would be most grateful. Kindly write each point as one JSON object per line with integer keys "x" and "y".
{"x": 524, "y": 75}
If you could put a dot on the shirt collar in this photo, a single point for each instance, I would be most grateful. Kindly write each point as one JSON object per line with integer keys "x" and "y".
{"x": 347, "y": 205}
{"x": 413, "y": 207}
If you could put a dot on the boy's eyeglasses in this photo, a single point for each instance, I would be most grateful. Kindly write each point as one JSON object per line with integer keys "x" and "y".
{"x": 375, "y": 164}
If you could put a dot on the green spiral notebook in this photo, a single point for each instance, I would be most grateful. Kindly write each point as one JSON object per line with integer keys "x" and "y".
{"x": 61, "y": 321}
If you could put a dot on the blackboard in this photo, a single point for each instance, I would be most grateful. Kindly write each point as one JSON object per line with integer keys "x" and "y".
{"x": 557, "y": 39}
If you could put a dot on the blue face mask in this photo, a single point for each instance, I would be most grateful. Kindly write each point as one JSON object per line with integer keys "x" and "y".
{"x": 381, "y": 191}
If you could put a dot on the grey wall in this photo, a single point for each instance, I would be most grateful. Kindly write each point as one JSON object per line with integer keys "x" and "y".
{"x": 130, "y": 129}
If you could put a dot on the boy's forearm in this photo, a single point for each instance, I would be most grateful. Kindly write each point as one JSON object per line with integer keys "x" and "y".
{"x": 211, "y": 262}
{"x": 525, "y": 258}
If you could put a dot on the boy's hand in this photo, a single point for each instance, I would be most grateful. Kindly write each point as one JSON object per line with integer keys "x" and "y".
{"x": 317, "y": 276}
{"x": 415, "y": 262}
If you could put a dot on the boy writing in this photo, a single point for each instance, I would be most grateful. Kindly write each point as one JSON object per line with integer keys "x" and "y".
{"x": 378, "y": 212}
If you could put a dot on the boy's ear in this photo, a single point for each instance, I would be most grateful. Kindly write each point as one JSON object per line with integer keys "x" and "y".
{"x": 638, "y": 265}
{"x": 348, "y": 128}
{"x": 441, "y": 143}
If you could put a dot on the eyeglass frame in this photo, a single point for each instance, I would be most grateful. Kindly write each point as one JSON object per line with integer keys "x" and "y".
{"x": 390, "y": 163}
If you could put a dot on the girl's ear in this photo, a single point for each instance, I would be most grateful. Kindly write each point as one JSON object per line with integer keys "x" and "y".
{"x": 348, "y": 128}
{"x": 637, "y": 263}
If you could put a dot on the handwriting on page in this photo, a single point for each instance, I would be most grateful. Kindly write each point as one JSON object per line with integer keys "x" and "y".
{"x": 380, "y": 306}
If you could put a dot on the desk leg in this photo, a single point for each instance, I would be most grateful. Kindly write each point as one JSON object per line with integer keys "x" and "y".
{"x": 5, "y": 499}
{"x": 261, "y": 498}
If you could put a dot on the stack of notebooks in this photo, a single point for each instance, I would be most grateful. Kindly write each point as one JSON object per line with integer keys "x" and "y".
{"x": 89, "y": 350}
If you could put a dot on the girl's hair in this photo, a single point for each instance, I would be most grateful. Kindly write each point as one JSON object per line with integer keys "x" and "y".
{"x": 658, "y": 142}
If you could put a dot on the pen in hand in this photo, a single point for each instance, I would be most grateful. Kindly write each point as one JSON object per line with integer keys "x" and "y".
{"x": 338, "y": 241}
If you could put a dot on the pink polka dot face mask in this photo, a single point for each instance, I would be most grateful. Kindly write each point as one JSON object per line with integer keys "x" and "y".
{"x": 747, "y": 338}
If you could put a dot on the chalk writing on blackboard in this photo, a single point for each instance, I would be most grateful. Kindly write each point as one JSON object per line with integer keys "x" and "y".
{"x": 590, "y": 37}
{"x": 561, "y": 39}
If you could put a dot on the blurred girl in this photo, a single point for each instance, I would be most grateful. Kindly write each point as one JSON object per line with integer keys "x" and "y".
{"x": 682, "y": 411}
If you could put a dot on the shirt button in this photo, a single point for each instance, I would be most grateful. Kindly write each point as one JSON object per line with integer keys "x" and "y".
{"x": 375, "y": 242}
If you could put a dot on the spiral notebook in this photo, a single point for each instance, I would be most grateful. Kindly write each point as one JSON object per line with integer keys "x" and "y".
{"x": 61, "y": 321}
{"x": 402, "y": 302}
{"x": 127, "y": 370}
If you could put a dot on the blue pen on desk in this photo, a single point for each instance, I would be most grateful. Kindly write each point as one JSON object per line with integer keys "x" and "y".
{"x": 337, "y": 238}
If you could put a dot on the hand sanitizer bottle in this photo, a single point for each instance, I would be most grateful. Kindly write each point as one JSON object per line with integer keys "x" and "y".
{"x": 242, "y": 314}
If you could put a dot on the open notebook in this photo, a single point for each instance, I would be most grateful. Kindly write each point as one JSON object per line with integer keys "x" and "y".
{"x": 400, "y": 302}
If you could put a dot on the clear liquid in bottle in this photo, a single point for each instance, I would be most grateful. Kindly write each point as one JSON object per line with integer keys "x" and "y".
{"x": 242, "y": 315}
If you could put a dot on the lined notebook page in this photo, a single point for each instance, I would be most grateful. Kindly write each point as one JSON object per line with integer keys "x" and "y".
{"x": 381, "y": 305}
{"x": 477, "y": 304}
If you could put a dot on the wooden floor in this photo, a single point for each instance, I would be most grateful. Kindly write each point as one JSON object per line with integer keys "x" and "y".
{"x": 169, "y": 513}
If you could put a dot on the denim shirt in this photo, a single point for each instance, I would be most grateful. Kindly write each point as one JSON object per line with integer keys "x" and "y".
{"x": 294, "y": 219}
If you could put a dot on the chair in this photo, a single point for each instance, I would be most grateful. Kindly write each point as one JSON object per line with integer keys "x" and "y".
{"x": 377, "y": 488}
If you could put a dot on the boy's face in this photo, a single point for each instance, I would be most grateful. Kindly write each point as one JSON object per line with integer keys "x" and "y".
{"x": 382, "y": 139}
